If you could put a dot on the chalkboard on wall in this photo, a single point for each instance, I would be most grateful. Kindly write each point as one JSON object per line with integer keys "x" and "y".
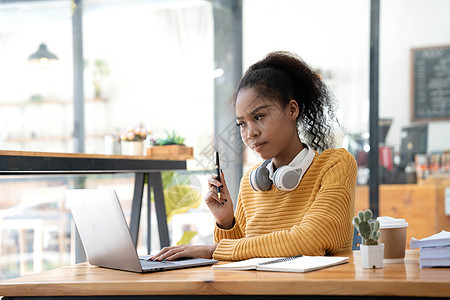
{"x": 430, "y": 82}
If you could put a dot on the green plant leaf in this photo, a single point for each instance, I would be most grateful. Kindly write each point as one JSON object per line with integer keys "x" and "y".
{"x": 187, "y": 237}
{"x": 101, "y": 67}
{"x": 166, "y": 178}
{"x": 179, "y": 199}
{"x": 361, "y": 215}
{"x": 376, "y": 225}
{"x": 171, "y": 139}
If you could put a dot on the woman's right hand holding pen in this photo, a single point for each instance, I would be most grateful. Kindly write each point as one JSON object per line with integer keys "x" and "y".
{"x": 222, "y": 208}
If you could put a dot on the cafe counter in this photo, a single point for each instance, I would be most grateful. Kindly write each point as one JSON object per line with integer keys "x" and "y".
{"x": 422, "y": 205}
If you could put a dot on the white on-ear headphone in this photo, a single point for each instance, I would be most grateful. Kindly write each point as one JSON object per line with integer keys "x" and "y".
{"x": 285, "y": 178}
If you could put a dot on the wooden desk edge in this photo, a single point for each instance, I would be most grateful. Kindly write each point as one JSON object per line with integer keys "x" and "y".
{"x": 79, "y": 155}
{"x": 211, "y": 287}
{"x": 83, "y": 280}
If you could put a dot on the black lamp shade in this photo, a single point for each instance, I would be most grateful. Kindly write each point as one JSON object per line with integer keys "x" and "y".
{"x": 42, "y": 53}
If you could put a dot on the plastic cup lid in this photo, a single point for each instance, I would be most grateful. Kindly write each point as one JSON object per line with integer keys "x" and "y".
{"x": 389, "y": 222}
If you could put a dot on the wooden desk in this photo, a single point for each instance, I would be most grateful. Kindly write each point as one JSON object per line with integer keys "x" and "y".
{"x": 406, "y": 280}
{"x": 47, "y": 163}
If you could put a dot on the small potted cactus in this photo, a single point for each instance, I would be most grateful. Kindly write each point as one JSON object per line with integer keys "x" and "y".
{"x": 372, "y": 252}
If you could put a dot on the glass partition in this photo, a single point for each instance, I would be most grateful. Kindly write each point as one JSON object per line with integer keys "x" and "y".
{"x": 414, "y": 106}
{"x": 414, "y": 85}
{"x": 333, "y": 38}
{"x": 36, "y": 95}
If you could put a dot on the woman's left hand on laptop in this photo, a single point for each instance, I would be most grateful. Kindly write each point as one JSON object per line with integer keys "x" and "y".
{"x": 180, "y": 251}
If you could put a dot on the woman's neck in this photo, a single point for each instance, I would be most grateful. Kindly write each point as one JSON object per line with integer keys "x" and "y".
{"x": 288, "y": 154}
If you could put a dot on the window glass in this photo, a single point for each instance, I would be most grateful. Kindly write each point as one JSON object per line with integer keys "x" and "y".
{"x": 414, "y": 105}
{"x": 333, "y": 38}
{"x": 32, "y": 89}
{"x": 414, "y": 59}
{"x": 160, "y": 69}
{"x": 154, "y": 68}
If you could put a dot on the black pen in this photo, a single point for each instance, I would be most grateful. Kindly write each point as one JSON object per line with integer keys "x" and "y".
{"x": 217, "y": 167}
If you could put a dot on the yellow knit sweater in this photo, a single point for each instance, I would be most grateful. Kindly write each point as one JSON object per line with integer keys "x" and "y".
{"x": 313, "y": 219}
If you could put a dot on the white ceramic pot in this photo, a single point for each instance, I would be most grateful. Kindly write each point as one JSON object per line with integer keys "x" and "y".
{"x": 372, "y": 256}
{"x": 132, "y": 148}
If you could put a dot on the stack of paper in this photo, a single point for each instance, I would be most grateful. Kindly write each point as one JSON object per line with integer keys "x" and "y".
{"x": 434, "y": 250}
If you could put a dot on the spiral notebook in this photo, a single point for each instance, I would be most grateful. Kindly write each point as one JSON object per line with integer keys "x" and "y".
{"x": 298, "y": 264}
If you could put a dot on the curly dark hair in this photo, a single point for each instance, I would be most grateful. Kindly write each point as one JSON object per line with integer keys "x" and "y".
{"x": 283, "y": 76}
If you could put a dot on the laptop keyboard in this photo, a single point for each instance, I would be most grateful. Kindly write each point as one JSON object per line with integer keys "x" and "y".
{"x": 154, "y": 264}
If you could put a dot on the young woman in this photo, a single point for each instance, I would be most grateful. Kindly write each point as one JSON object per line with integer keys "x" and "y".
{"x": 299, "y": 201}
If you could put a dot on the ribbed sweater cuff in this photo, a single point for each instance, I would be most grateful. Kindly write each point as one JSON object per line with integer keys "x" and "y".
{"x": 224, "y": 250}
{"x": 233, "y": 233}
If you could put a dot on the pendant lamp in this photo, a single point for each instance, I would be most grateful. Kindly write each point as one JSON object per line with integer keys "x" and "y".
{"x": 42, "y": 56}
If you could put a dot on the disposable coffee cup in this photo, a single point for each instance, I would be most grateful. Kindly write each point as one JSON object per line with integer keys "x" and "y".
{"x": 393, "y": 235}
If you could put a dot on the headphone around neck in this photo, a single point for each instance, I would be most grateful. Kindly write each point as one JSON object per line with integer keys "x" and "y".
{"x": 285, "y": 178}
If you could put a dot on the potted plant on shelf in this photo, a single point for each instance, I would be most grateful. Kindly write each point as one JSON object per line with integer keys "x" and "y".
{"x": 100, "y": 70}
{"x": 170, "y": 147}
{"x": 132, "y": 141}
{"x": 372, "y": 252}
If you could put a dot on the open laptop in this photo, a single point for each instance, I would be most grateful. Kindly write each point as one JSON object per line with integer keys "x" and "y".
{"x": 106, "y": 238}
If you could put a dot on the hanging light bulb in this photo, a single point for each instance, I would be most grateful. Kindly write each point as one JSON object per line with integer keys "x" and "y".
{"x": 42, "y": 56}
